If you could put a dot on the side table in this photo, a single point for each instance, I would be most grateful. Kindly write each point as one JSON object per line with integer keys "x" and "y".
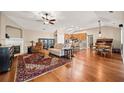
{"x": 29, "y": 50}
{"x": 68, "y": 53}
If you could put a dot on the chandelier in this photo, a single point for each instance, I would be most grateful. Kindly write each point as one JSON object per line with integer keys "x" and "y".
{"x": 100, "y": 34}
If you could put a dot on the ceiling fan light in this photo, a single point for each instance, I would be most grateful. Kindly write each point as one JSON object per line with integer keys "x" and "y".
{"x": 46, "y": 22}
{"x": 46, "y": 17}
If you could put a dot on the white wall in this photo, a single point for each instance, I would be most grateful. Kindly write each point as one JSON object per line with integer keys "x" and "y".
{"x": 107, "y": 32}
{"x": 5, "y": 21}
{"x": 0, "y": 27}
{"x": 123, "y": 43}
{"x": 60, "y": 36}
{"x": 123, "y": 46}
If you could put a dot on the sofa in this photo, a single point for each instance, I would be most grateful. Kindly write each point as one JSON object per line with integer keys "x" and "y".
{"x": 57, "y": 50}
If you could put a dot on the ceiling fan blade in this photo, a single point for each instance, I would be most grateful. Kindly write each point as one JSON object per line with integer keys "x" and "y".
{"x": 52, "y": 19}
{"x": 51, "y": 22}
{"x": 43, "y": 17}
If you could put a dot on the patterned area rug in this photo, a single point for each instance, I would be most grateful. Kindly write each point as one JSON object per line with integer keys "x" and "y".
{"x": 31, "y": 66}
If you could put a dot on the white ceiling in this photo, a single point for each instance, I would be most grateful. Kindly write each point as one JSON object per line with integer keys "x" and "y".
{"x": 67, "y": 20}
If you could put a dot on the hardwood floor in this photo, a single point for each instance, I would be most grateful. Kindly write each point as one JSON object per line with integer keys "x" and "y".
{"x": 85, "y": 66}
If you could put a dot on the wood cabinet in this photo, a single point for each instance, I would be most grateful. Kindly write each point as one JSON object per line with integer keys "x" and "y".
{"x": 104, "y": 41}
{"x": 6, "y": 58}
{"x": 47, "y": 42}
{"x": 80, "y": 36}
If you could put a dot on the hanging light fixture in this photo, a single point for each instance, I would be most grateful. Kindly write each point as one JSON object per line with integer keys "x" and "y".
{"x": 45, "y": 17}
{"x": 100, "y": 34}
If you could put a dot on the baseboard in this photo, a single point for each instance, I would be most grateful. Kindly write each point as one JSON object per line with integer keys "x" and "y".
{"x": 83, "y": 48}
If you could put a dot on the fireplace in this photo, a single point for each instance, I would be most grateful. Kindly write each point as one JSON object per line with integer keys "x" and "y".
{"x": 18, "y": 43}
{"x": 16, "y": 49}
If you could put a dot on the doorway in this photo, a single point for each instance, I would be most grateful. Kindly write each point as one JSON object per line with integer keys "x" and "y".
{"x": 90, "y": 41}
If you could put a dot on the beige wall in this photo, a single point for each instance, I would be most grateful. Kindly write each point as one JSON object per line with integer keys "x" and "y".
{"x": 107, "y": 32}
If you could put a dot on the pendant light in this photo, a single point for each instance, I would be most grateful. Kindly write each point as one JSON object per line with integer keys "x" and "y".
{"x": 100, "y": 34}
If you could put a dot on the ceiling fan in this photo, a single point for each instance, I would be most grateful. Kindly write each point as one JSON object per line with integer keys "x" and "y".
{"x": 46, "y": 18}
